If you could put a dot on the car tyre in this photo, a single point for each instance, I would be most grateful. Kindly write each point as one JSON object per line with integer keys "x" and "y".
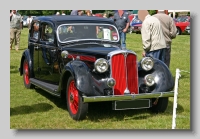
{"x": 178, "y": 31}
{"x": 76, "y": 108}
{"x": 26, "y": 75}
{"x": 160, "y": 106}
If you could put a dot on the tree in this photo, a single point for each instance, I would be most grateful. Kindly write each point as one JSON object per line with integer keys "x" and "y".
{"x": 152, "y": 12}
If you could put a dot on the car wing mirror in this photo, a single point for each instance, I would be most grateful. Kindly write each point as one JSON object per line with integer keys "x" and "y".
{"x": 64, "y": 54}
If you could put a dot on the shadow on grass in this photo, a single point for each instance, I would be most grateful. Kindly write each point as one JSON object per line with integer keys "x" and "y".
{"x": 103, "y": 110}
{"x": 61, "y": 103}
{"x": 185, "y": 75}
{"x": 25, "y": 109}
{"x": 14, "y": 69}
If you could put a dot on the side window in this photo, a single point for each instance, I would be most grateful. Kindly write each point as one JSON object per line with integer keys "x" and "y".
{"x": 47, "y": 33}
{"x": 35, "y": 31}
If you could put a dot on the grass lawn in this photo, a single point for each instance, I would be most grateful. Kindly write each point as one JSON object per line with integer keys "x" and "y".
{"x": 36, "y": 109}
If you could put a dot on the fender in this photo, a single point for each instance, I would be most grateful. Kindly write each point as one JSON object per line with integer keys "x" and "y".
{"x": 26, "y": 55}
{"x": 86, "y": 83}
{"x": 163, "y": 77}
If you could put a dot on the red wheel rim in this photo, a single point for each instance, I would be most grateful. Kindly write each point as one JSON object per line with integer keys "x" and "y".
{"x": 73, "y": 97}
{"x": 26, "y": 73}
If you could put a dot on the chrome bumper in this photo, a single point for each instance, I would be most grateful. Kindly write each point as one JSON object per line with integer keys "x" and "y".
{"x": 127, "y": 97}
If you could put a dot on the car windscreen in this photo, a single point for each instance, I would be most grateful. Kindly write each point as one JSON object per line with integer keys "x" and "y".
{"x": 87, "y": 31}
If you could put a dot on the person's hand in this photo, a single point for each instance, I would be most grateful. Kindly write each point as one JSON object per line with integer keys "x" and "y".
{"x": 143, "y": 54}
{"x": 125, "y": 30}
{"x": 11, "y": 13}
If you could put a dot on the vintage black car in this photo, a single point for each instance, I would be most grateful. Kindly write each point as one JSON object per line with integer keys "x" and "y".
{"x": 80, "y": 58}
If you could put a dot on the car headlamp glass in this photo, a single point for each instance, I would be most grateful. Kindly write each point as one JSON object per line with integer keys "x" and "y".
{"x": 149, "y": 80}
{"x": 101, "y": 65}
{"x": 147, "y": 63}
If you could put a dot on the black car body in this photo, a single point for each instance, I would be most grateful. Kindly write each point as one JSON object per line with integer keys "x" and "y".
{"x": 80, "y": 58}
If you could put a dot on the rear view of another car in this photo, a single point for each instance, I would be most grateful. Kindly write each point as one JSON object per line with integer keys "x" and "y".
{"x": 137, "y": 28}
{"x": 136, "y": 24}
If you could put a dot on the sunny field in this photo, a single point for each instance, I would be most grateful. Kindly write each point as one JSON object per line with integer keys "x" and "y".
{"x": 36, "y": 109}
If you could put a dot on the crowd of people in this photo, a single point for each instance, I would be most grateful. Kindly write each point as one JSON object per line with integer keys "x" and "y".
{"x": 157, "y": 31}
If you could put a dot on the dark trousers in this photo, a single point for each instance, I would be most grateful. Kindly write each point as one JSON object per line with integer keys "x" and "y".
{"x": 159, "y": 54}
{"x": 123, "y": 39}
{"x": 167, "y": 56}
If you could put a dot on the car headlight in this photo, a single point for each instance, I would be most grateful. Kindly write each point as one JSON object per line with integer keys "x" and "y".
{"x": 149, "y": 80}
{"x": 147, "y": 63}
{"x": 101, "y": 65}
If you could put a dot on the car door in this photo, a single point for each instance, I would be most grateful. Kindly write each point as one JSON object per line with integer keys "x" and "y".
{"x": 33, "y": 46}
{"x": 47, "y": 54}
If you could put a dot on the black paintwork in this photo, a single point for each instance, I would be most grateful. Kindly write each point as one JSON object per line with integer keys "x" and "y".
{"x": 52, "y": 74}
{"x": 165, "y": 80}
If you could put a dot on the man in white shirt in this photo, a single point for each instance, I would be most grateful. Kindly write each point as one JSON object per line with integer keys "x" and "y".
{"x": 29, "y": 20}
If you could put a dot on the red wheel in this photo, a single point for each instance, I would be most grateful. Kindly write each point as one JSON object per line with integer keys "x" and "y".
{"x": 26, "y": 75}
{"x": 77, "y": 109}
{"x": 73, "y": 97}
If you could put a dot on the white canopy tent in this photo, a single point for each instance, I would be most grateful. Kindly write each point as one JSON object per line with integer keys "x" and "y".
{"x": 177, "y": 11}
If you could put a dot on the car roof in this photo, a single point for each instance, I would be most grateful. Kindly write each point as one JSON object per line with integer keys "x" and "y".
{"x": 73, "y": 18}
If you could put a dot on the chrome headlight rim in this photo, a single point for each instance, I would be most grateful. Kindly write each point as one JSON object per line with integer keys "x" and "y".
{"x": 101, "y": 62}
{"x": 111, "y": 82}
{"x": 149, "y": 80}
{"x": 147, "y": 63}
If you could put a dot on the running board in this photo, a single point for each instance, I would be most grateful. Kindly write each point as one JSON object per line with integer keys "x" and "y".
{"x": 51, "y": 88}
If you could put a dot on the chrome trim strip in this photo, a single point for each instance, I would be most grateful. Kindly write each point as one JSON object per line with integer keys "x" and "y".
{"x": 126, "y": 91}
{"x": 120, "y": 51}
{"x": 127, "y": 97}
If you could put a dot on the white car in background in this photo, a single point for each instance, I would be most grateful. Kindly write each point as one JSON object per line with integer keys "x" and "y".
{"x": 25, "y": 24}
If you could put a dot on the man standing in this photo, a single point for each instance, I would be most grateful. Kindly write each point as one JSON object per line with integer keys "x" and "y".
{"x": 152, "y": 36}
{"x": 169, "y": 31}
{"x": 15, "y": 28}
{"x": 29, "y": 20}
{"x": 75, "y": 12}
{"x": 122, "y": 21}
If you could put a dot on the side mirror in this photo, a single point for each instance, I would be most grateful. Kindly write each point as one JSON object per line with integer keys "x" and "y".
{"x": 64, "y": 54}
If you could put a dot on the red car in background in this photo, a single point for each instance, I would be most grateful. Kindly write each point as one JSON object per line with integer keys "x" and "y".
{"x": 182, "y": 23}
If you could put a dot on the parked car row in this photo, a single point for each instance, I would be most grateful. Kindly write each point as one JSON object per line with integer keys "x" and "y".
{"x": 182, "y": 24}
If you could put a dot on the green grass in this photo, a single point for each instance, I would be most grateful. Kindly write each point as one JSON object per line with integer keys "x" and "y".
{"x": 36, "y": 109}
